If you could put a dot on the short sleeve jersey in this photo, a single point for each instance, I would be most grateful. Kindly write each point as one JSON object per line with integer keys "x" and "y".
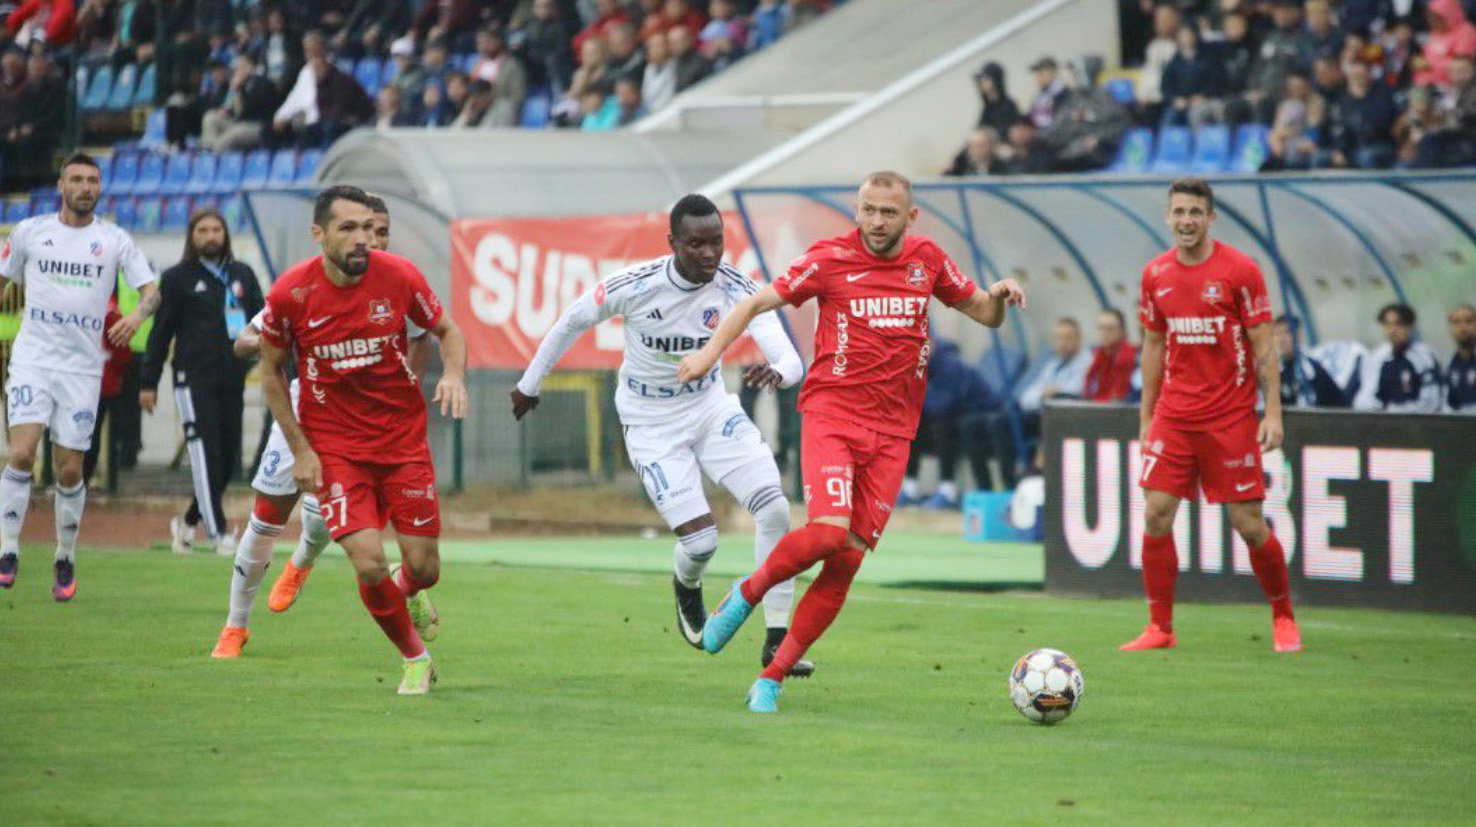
{"x": 1209, "y": 376}
{"x": 69, "y": 274}
{"x": 360, "y": 401}
{"x": 871, "y": 342}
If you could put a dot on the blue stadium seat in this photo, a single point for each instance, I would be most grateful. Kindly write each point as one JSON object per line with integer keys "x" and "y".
{"x": 127, "y": 213}
{"x": 1250, "y": 148}
{"x": 202, "y": 174}
{"x": 1211, "y": 149}
{"x": 228, "y": 173}
{"x": 1135, "y": 153}
{"x": 104, "y": 169}
{"x": 155, "y": 124}
{"x": 99, "y": 89}
{"x": 368, "y": 73}
{"x": 536, "y": 110}
{"x": 125, "y": 173}
{"x": 148, "y": 83}
{"x": 150, "y": 214}
{"x": 107, "y": 205}
{"x": 1122, "y": 91}
{"x": 233, "y": 208}
{"x": 45, "y": 201}
{"x": 284, "y": 169}
{"x": 207, "y": 202}
{"x": 176, "y": 174}
{"x": 176, "y": 214}
{"x": 17, "y": 211}
{"x": 307, "y": 167}
{"x": 121, "y": 97}
{"x": 258, "y": 166}
{"x": 150, "y": 175}
{"x": 1175, "y": 150}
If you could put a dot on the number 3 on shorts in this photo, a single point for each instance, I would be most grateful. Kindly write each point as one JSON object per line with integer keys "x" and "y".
{"x": 839, "y": 490}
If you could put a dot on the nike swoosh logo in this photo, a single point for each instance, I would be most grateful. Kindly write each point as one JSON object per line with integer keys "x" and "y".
{"x": 858, "y": 276}
{"x": 1164, "y": 292}
{"x": 1245, "y": 487}
{"x": 318, "y": 322}
{"x": 417, "y": 522}
{"x": 693, "y": 635}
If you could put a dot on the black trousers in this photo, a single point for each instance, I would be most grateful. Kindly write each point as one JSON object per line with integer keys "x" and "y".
{"x": 939, "y": 436}
{"x": 989, "y": 436}
{"x": 107, "y": 412}
{"x": 212, "y": 424}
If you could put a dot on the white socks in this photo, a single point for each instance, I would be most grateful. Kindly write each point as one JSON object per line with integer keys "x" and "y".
{"x": 770, "y": 511}
{"x": 693, "y": 552}
{"x": 253, "y": 555}
{"x": 315, "y": 535}
{"x": 69, "y": 505}
{"x": 15, "y": 499}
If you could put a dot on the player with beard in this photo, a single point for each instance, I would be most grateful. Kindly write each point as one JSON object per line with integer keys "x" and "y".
{"x": 358, "y": 437}
{"x": 862, "y": 400}
{"x": 68, "y": 261}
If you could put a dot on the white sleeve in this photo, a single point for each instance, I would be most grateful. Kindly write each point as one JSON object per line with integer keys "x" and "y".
{"x": 301, "y": 99}
{"x": 1368, "y": 384}
{"x": 1431, "y": 385}
{"x": 772, "y": 339}
{"x": 586, "y": 312}
{"x": 135, "y": 265}
{"x": 259, "y": 318}
{"x": 1031, "y": 395}
{"x": 13, "y": 253}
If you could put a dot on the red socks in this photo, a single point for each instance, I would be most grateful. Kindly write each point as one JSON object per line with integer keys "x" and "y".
{"x": 409, "y": 586}
{"x": 817, "y": 609}
{"x": 386, "y": 602}
{"x": 1269, "y": 564}
{"x": 1160, "y": 570}
{"x": 795, "y": 552}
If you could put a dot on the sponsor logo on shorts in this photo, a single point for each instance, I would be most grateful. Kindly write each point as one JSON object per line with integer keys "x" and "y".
{"x": 1245, "y": 486}
{"x": 736, "y": 421}
{"x": 884, "y": 507}
{"x": 835, "y": 470}
{"x": 413, "y": 493}
{"x": 83, "y": 418}
{"x": 418, "y": 522}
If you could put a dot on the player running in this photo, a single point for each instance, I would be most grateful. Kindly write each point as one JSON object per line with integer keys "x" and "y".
{"x": 861, "y": 400}
{"x": 68, "y": 262}
{"x": 277, "y": 494}
{"x": 361, "y": 440}
{"x": 1207, "y": 342}
{"x": 671, "y": 305}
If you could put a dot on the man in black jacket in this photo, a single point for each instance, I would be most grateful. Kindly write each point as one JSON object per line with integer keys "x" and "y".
{"x": 249, "y": 103}
{"x": 207, "y": 299}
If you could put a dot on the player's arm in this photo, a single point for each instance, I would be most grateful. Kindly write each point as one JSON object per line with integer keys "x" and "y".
{"x": 785, "y": 367}
{"x": 248, "y": 343}
{"x": 1151, "y": 363}
{"x": 451, "y": 389}
{"x": 696, "y": 365}
{"x": 987, "y": 307}
{"x": 420, "y": 351}
{"x": 13, "y": 257}
{"x": 585, "y": 312}
{"x": 1268, "y": 371}
{"x": 140, "y": 276}
{"x": 306, "y": 470}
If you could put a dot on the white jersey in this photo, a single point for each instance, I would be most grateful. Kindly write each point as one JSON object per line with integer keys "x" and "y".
{"x": 666, "y": 318}
{"x": 69, "y": 274}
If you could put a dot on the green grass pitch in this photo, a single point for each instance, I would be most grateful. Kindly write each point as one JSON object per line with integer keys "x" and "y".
{"x": 566, "y": 697}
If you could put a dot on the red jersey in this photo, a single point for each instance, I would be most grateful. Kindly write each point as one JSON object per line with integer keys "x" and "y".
{"x": 1209, "y": 374}
{"x": 871, "y": 344}
{"x": 360, "y": 401}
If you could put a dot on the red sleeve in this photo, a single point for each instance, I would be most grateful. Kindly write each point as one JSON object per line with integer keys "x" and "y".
{"x": 1251, "y": 300}
{"x": 951, "y": 286}
{"x": 1148, "y": 311}
{"x": 61, "y": 29}
{"x": 425, "y": 308}
{"x": 802, "y": 282}
{"x": 277, "y": 317}
{"x": 19, "y": 17}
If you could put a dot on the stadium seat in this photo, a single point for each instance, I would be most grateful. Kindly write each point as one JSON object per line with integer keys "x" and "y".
{"x": 258, "y": 166}
{"x": 202, "y": 174}
{"x": 176, "y": 214}
{"x": 1250, "y": 148}
{"x": 121, "y": 98}
{"x": 1175, "y": 150}
{"x": 1134, "y": 154}
{"x": 368, "y": 73}
{"x": 45, "y": 201}
{"x": 126, "y": 213}
{"x": 99, "y": 89}
{"x": 535, "y": 111}
{"x": 150, "y": 214}
{"x": 176, "y": 174}
{"x": 150, "y": 175}
{"x": 307, "y": 167}
{"x": 284, "y": 169}
{"x": 1211, "y": 149}
{"x": 155, "y": 125}
{"x": 124, "y": 174}
{"x": 17, "y": 211}
{"x": 147, "y": 84}
{"x": 228, "y": 173}
{"x": 1122, "y": 91}
{"x": 104, "y": 169}
{"x": 233, "y": 208}
{"x": 107, "y": 205}
{"x": 345, "y": 65}
{"x": 206, "y": 202}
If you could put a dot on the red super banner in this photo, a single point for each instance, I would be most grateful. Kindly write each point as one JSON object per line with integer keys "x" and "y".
{"x": 512, "y": 278}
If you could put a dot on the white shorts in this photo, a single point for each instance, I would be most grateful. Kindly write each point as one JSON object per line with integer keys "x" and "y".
{"x": 274, "y": 474}
{"x": 720, "y": 440}
{"x": 64, "y": 402}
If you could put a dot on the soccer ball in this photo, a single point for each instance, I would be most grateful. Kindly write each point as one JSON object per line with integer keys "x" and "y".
{"x": 1046, "y": 685}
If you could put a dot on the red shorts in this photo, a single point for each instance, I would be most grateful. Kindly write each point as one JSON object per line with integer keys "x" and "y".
{"x": 360, "y": 495}
{"x": 853, "y": 472}
{"x": 1225, "y": 462}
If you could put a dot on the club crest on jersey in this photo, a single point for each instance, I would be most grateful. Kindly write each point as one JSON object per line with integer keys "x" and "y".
{"x": 710, "y": 318}
{"x": 1214, "y": 293}
{"x": 96, "y": 248}
{"x": 381, "y": 311}
{"x": 916, "y": 275}
{"x": 600, "y": 294}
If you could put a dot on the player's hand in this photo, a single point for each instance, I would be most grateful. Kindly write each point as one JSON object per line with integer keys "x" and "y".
{"x": 1008, "y": 291}
{"x": 307, "y": 471}
{"x": 694, "y": 366}
{"x": 451, "y": 394}
{"x": 122, "y": 330}
{"x": 148, "y": 399}
{"x": 1270, "y": 433}
{"x": 522, "y": 403}
{"x": 762, "y": 376}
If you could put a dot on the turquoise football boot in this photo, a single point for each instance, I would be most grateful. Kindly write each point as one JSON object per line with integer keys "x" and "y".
{"x": 763, "y": 696}
{"x": 726, "y": 619}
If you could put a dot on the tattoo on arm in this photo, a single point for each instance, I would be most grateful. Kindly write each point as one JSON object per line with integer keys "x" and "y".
{"x": 149, "y": 303}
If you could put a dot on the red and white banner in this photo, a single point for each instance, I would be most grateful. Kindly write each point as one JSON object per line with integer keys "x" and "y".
{"x": 512, "y": 278}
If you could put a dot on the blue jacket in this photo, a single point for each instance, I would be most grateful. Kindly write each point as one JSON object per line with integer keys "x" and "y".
{"x": 1462, "y": 377}
{"x": 955, "y": 388}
